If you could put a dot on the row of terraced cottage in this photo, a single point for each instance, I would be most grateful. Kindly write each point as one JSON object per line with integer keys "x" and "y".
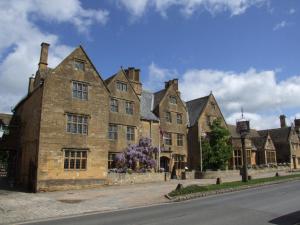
{"x": 68, "y": 129}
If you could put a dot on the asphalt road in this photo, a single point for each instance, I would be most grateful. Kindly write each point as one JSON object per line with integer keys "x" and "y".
{"x": 276, "y": 204}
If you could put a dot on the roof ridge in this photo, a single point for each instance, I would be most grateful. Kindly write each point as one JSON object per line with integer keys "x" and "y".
{"x": 276, "y": 128}
{"x": 197, "y": 98}
{"x": 159, "y": 91}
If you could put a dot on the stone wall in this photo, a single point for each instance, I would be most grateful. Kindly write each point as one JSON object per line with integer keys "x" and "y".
{"x": 188, "y": 175}
{"x": 136, "y": 178}
{"x": 57, "y": 103}
{"x": 220, "y": 173}
{"x": 236, "y": 173}
{"x": 268, "y": 170}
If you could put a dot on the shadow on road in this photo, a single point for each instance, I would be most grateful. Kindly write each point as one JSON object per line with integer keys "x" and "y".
{"x": 288, "y": 219}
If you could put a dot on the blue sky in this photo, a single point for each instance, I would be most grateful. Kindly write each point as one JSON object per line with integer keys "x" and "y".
{"x": 246, "y": 51}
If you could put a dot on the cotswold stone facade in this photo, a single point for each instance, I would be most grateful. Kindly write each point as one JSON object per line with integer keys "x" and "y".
{"x": 61, "y": 126}
{"x": 287, "y": 142}
{"x": 66, "y": 132}
{"x": 202, "y": 112}
{"x": 68, "y": 129}
{"x": 171, "y": 111}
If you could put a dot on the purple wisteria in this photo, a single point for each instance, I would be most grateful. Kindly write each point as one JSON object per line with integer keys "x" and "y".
{"x": 138, "y": 157}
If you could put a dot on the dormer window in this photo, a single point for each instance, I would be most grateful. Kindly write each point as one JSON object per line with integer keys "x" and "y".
{"x": 79, "y": 65}
{"x": 121, "y": 86}
{"x": 173, "y": 100}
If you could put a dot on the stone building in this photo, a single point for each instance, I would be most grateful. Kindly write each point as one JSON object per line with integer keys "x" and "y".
{"x": 149, "y": 122}
{"x": 266, "y": 151}
{"x": 287, "y": 142}
{"x": 237, "y": 154}
{"x": 172, "y": 113}
{"x": 67, "y": 130}
{"x": 124, "y": 111}
{"x": 259, "y": 145}
{"x": 61, "y": 126}
{"x": 202, "y": 112}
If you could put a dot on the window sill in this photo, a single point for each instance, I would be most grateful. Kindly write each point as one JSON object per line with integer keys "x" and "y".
{"x": 79, "y": 99}
{"x": 78, "y": 134}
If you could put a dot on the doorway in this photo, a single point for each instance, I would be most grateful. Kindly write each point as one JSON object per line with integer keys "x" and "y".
{"x": 164, "y": 163}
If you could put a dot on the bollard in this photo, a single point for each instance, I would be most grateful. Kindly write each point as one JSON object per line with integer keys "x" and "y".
{"x": 249, "y": 177}
{"x": 179, "y": 187}
{"x": 219, "y": 180}
{"x": 277, "y": 174}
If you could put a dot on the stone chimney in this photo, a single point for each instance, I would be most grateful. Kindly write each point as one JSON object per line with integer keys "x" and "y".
{"x": 297, "y": 125}
{"x": 282, "y": 121}
{"x": 30, "y": 84}
{"x": 133, "y": 75}
{"x": 173, "y": 83}
{"x": 44, "y": 56}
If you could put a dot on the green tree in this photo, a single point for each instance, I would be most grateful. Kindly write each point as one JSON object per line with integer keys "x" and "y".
{"x": 216, "y": 147}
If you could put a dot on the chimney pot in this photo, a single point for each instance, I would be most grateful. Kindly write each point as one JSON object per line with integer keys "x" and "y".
{"x": 282, "y": 121}
{"x": 133, "y": 75}
{"x": 297, "y": 125}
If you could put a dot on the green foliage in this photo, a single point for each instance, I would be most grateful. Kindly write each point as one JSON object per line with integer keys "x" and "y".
{"x": 230, "y": 185}
{"x": 216, "y": 148}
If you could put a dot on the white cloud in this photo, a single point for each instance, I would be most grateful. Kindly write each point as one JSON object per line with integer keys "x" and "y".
{"x": 188, "y": 7}
{"x": 135, "y": 7}
{"x": 157, "y": 76}
{"x": 20, "y": 39}
{"x": 280, "y": 25}
{"x": 292, "y": 11}
{"x": 257, "y": 121}
{"x": 258, "y": 92}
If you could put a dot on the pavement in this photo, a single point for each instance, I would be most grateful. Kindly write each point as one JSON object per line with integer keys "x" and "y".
{"x": 277, "y": 204}
{"x": 20, "y": 206}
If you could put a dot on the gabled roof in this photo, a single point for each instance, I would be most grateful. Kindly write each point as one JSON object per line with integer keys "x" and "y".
{"x": 195, "y": 108}
{"x": 146, "y": 106}
{"x": 233, "y": 132}
{"x": 158, "y": 96}
{"x": 278, "y": 134}
{"x": 259, "y": 142}
{"x": 232, "y": 129}
{"x": 99, "y": 75}
{"x": 108, "y": 80}
{"x": 111, "y": 78}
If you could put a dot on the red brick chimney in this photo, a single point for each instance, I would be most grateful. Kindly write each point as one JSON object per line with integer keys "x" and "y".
{"x": 44, "y": 56}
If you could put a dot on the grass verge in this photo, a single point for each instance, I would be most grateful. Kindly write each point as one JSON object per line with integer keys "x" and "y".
{"x": 230, "y": 185}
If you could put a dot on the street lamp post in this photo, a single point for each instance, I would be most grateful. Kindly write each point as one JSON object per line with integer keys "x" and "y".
{"x": 243, "y": 127}
{"x": 200, "y": 142}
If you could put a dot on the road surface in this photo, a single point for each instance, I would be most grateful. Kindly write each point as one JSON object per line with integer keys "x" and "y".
{"x": 276, "y": 204}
